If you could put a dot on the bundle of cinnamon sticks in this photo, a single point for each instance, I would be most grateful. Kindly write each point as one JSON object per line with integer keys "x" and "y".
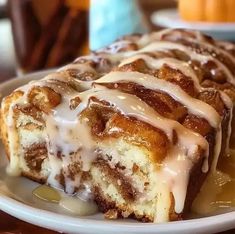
{"x": 48, "y": 33}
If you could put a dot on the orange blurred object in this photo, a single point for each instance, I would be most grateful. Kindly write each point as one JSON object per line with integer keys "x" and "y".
{"x": 191, "y": 10}
{"x": 207, "y": 10}
{"x": 82, "y": 5}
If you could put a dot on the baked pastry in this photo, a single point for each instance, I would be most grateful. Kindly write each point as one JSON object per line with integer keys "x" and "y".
{"x": 140, "y": 124}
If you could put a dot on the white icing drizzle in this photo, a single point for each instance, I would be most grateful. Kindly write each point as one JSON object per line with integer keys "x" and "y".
{"x": 131, "y": 105}
{"x": 229, "y": 104}
{"x": 188, "y": 141}
{"x": 69, "y": 139}
{"x": 113, "y": 58}
{"x": 218, "y": 50}
{"x": 226, "y": 99}
{"x": 199, "y": 38}
{"x": 60, "y": 123}
{"x": 226, "y": 45}
{"x": 159, "y": 62}
{"x": 202, "y": 109}
{"x": 186, "y": 70}
{"x": 175, "y": 173}
{"x": 156, "y": 36}
{"x": 64, "y": 77}
{"x": 163, "y": 45}
{"x": 51, "y": 81}
{"x": 115, "y": 47}
{"x": 13, "y": 167}
{"x": 78, "y": 66}
{"x": 194, "y": 105}
{"x": 217, "y": 149}
{"x": 147, "y": 38}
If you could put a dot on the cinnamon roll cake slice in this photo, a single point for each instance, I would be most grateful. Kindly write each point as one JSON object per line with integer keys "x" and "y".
{"x": 212, "y": 61}
{"x": 136, "y": 127}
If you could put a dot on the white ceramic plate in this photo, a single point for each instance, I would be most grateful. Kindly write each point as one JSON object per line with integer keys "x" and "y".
{"x": 17, "y": 200}
{"x": 170, "y": 18}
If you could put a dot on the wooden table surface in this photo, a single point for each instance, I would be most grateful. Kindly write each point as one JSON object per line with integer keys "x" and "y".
{"x": 9, "y": 224}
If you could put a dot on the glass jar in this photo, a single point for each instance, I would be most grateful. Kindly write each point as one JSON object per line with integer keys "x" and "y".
{"x": 48, "y": 33}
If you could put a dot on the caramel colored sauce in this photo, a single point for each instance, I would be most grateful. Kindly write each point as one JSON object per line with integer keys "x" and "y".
{"x": 47, "y": 193}
{"x": 218, "y": 192}
{"x": 227, "y": 164}
{"x": 226, "y": 198}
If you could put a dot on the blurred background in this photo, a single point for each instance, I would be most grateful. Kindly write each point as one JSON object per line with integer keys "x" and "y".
{"x": 41, "y": 34}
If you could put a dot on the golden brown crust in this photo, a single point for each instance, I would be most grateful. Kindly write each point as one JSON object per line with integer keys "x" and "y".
{"x": 163, "y": 103}
{"x": 4, "y": 112}
{"x": 44, "y": 98}
{"x": 106, "y": 124}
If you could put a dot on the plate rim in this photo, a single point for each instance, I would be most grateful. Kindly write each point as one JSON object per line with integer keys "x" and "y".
{"x": 54, "y": 221}
{"x": 159, "y": 18}
{"x": 36, "y": 215}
